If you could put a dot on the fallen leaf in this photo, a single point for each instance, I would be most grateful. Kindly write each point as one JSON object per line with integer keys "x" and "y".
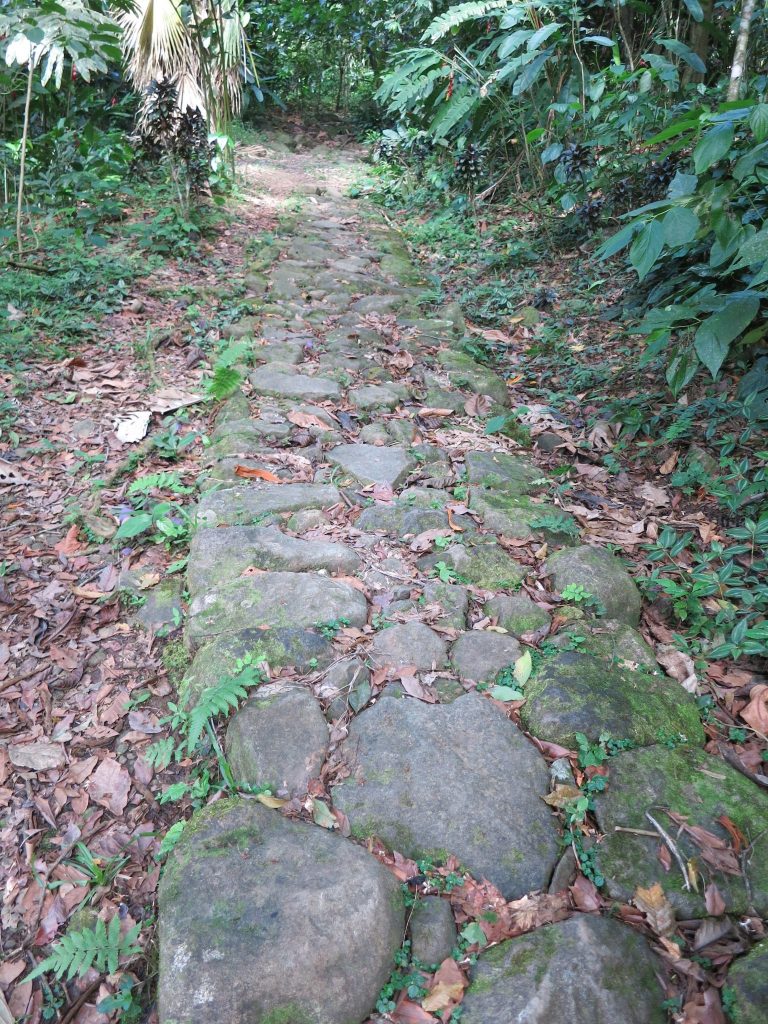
{"x": 249, "y": 473}
{"x": 657, "y": 909}
{"x": 585, "y": 895}
{"x": 669, "y": 464}
{"x": 478, "y": 405}
{"x": 600, "y": 436}
{"x": 561, "y": 795}
{"x": 272, "y": 802}
{"x": 755, "y": 714}
{"x": 133, "y": 427}
{"x": 306, "y": 420}
{"x": 109, "y": 786}
{"x": 656, "y": 496}
{"x": 714, "y": 900}
{"x": 679, "y": 666}
{"x": 169, "y": 399}
{"x": 69, "y": 545}
{"x": 408, "y": 1012}
{"x": 447, "y": 988}
{"x": 40, "y": 757}
{"x": 453, "y": 525}
{"x": 322, "y": 815}
{"x": 426, "y": 411}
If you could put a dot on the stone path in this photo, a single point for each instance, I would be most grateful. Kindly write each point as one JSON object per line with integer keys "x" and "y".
{"x": 266, "y": 919}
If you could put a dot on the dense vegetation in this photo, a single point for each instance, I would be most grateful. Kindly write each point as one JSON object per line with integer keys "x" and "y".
{"x": 588, "y": 181}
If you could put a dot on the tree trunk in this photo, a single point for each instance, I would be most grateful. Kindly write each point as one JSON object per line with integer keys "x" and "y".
{"x": 740, "y": 53}
{"x": 699, "y": 41}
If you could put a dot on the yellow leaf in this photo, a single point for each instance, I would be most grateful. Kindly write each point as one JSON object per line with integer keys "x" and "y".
{"x": 657, "y": 909}
{"x": 442, "y": 996}
{"x": 271, "y": 801}
{"x": 561, "y": 795}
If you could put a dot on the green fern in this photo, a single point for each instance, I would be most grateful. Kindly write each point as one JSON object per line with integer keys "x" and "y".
{"x": 99, "y": 947}
{"x": 461, "y": 13}
{"x": 225, "y": 382}
{"x": 221, "y": 699}
{"x": 235, "y": 352}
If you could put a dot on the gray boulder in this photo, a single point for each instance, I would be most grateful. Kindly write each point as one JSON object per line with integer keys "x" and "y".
{"x": 431, "y": 780}
{"x": 371, "y": 464}
{"x": 748, "y": 980}
{"x": 410, "y": 644}
{"x": 286, "y": 382}
{"x": 481, "y": 655}
{"x": 258, "y": 504}
{"x": 264, "y": 919}
{"x": 273, "y": 599}
{"x": 220, "y": 556}
{"x": 278, "y": 738}
{"x": 516, "y": 613}
{"x": 574, "y": 692}
{"x": 600, "y": 573}
{"x": 587, "y": 970}
{"x": 433, "y": 930}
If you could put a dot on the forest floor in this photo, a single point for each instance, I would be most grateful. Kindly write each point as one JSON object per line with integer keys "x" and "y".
{"x": 92, "y": 648}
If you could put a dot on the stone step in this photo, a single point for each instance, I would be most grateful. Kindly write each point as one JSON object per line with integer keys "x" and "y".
{"x": 261, "y": 503}
{"x": 270, "y": 599}
{"x": 221, "y": 556}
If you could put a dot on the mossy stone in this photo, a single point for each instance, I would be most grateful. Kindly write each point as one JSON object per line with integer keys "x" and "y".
{"x": 482, "y": 562}
{"x": 585, "y": 970}
{"x": 701, "y": 789}
{"x": 516, "y": 613}
{"x": 748, "y": 980}
{"x": 602, "y": 575}
{"x": 574, "y": 692}
{"x": 463, "y": 372}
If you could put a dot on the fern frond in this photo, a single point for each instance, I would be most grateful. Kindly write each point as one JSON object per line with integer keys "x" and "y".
{"x": 462, "y": 13}
{"x": 99, "y": 947}
{"x": 235, "y": 352}
{"x": 220, "y": 699}
{"x": 225, "y": 382}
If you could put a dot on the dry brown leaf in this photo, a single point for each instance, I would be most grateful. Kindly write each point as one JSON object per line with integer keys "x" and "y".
{"x": 408, "y": 1012}
{"x": 110, "y": 785}
{"x": 585, "y": 895}
{"x": 249, "y": 473}
{"x": 40, "y": 757}
{"x": 561, "y": 795}
{"x": 714, "y": 900}
{"x": 70, "y": 545}
{"x": 478, "y": 405}
{"x": 657, "y": 909}
{"x": 273, "y": 802}
{"x": 427, "y": 411}
{"x": 169, "y": 399}
{"x": 680, "y": 666}
{"x": 755, "y": 714}
{"x": 654, "y": 495}
{"x": 447, "y": 987}
{"x": 306, "y": 419}
{"x": 669, "y": 464}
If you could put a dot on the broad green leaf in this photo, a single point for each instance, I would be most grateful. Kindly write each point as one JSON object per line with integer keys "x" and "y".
{"x": 531, "y": 73}
{"x": 682, "y": 186}
{"x": 322, "y": 816}
{"x": 617, "y": 242}
{"x": 682, "y": 127}
{"x": 600, "y": 40}
{"x": 450, "y": 115}
{"x": 681, "y": 371}
{"x": 496, "y": 424}
{"x": 758, "y": 121}
{"x": 523, "y": 668}
{"x": 685, "y": 53}
{"x": 695, "y": 9}
{"x": 647, "y": 248}
{"x": 542, "y": 34}
{"x": 714, "y": 336}
{"x": 506, "y": 693}
{"x": 754, "y": 250}
{"x": 134, "y": 525}
{"x": 514, "y": 41}
{"x": 713, "y": 147}
{"x": 474, "y": 934}
{"x": 680, "y": 226}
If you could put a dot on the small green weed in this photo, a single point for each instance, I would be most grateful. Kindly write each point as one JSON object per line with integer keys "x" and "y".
{"x": 330, "y": 628}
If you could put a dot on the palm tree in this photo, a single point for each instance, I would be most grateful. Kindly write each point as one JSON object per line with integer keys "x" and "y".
{"x": 201, "y": 49}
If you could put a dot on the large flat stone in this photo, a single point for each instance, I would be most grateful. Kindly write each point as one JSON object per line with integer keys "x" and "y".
{"x": 267, "y": 920}
{"x": 603, "y": 575}
{"x": 481, "y": 561}
{"x": 497, "y": 471}
{"x": 302, "y": 649}
{"x": 587, "y": 970}
{"x": 278, "y": 739}
{"x": 574, "y": 692}
{"x": 371, "y": 464}
{"x": 260, "y": 503}
{"x": 516, "y": 613}
{"x": 288, "y": 383}
{"x": 700, "y": 788}
{"x": 273, "y": 599}
{"x": 435, "y": 779}
{"x": 748, "y": 980}
{"x": 412, "y": 643}
{"x": 220, "y": 556}
{"x": 481, "y": 655}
